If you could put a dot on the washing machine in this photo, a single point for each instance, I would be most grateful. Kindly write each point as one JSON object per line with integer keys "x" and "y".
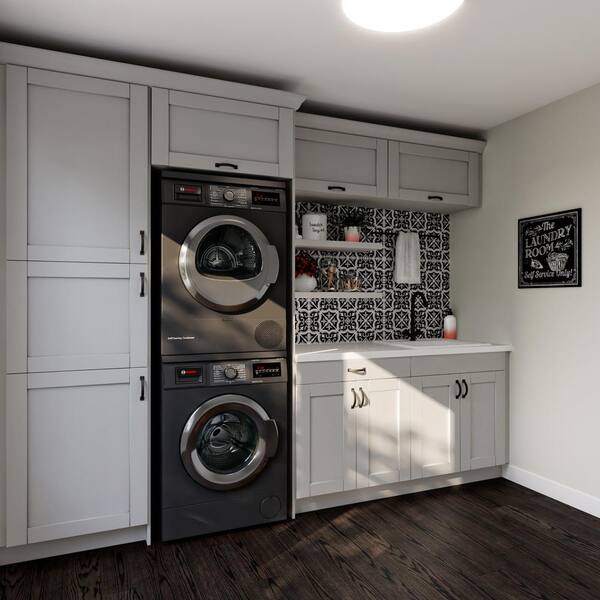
{"x": 224, "y": 265}
{"x": 223, "y": 445}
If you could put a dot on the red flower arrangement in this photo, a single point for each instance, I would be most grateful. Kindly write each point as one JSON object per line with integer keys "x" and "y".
{"x": 306, "y": 265}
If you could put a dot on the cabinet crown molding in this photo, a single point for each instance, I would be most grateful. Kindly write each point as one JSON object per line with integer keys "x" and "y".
{"x": 51, "y": 60}
{"x": 387, "y": 132}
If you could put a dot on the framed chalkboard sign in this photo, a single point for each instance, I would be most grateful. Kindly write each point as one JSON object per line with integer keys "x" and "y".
{"x": 550, "y": 250}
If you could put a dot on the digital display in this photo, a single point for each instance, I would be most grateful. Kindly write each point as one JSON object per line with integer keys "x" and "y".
{"x": 264, "y": 370}
{"x": 262, "y": 198}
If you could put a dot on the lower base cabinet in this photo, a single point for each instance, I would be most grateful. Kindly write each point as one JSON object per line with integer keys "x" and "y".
{"x": 77, "y": 447}
{"x": 352, "y": 435}
{"x": 378, "y": 432}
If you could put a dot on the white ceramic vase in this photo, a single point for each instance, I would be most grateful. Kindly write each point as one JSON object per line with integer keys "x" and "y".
{"x": 305, "y": 283}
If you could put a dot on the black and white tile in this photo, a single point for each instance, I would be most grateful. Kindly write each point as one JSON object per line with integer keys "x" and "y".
{"x": 352, "y": 320}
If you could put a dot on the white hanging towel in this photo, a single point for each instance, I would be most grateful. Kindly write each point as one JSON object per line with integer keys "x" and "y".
{"x": 407, "y": 266}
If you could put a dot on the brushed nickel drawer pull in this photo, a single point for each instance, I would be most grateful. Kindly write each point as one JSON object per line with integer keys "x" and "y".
{"x": 361, "y": 371}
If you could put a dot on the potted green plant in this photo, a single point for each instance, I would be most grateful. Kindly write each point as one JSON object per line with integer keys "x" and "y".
{"x": 352, "y": 223}
{"x": 306, "y": 273}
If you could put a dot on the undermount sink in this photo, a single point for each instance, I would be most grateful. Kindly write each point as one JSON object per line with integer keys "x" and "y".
{"x": 432, "y": 343}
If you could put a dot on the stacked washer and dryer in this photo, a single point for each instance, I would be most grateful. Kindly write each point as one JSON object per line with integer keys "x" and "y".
{"x": 222, "y": 419}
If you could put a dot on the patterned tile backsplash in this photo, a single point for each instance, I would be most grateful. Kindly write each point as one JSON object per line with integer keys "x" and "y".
{"x": 352, "y": 320}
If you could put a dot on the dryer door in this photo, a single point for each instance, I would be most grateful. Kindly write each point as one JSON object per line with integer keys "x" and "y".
{"x": 227, "y": 264}
{"x": 228, "y": 441}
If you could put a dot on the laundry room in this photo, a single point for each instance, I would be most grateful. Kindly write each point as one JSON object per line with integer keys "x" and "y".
{"x": 298, "y": 299}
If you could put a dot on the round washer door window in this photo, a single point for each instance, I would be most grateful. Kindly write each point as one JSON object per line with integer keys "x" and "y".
{"x": 228, "y": 441}
{"x": 227, "y": 264}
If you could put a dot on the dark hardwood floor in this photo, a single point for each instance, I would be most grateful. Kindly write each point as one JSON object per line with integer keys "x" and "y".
{"x": 484, "y": 540}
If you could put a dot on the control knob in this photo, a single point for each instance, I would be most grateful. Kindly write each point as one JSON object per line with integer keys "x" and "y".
{"x": 228, "y": 196}
{"x": 230, "y": 373}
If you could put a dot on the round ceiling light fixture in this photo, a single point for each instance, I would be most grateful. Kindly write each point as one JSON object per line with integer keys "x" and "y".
{"x": 398, "y": 15}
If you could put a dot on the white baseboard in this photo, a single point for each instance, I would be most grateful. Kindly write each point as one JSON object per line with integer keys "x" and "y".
{"x": 68, "y": 546}
{"x": 395, "y": 489}
{"x": 563, "y": 493}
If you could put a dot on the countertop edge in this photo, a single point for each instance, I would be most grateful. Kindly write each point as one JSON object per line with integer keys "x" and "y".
{"x": 335, "y": 355}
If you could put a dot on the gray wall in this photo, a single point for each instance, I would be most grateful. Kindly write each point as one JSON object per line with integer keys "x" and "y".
{"x": 2, "y": 308}
{"x": 545, "y": 161}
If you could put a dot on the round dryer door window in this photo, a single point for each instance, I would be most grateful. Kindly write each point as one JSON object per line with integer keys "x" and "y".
{"x": 227, "y": 264}
{"x": 228, "y": 441}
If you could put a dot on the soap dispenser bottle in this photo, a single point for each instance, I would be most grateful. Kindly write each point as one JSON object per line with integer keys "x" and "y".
{"x": 450, "y": 326}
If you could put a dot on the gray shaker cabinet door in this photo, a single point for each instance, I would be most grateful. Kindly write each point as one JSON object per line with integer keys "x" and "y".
{"x": 325, "y": 439}
{"x": 192, "y": 131}
{"x": 434, "y": 176}
{"x": 77, "y": 453}
{"x": 80, "y": 192}
{"x": 483, "y": 420}
{"x": 338, "y": 164}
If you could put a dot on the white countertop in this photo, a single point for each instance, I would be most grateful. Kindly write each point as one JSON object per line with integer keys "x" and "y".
{"x": 390, "y": 349}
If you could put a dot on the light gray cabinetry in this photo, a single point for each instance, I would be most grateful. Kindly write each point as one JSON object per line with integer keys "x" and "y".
{"x": 193, "y": 131}
{"x": 433, "y": 176}
{"x": 325, "y": 439}
{"x": 77, "y": 172}
{"x": 378, "y": 426}
{"x": 383, "y": 432}
{"x": 435, "y": 427}
{"x": 77, "y": 453}
{"x": 351, "y": 435}
{"x": 483, "y": 420}
{"x": 74, "y": 316}
{"x": 339, "y": 160}
{"x": 76, "y": 305}
{"x": 332, "y": 163}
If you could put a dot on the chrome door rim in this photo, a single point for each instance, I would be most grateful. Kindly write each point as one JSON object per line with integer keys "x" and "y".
{"x": 194, "y": 466}
{"x": 258, "y": 284}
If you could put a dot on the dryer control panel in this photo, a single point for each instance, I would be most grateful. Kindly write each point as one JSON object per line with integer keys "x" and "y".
{"x": 224, "y": 373}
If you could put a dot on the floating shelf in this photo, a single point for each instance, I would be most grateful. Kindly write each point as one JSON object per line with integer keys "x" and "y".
{"x": 338, "y": 246}
{"x": 338, "y": 295}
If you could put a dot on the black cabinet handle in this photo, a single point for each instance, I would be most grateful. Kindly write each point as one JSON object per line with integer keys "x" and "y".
{"x": 339, "y": 188}
{"x": 226, "y": 164}
{"x": 460, "y": 390}
{"x": 363, "y": 398}
{"x": 354, "y": 394}
{"x": 466, "y": 388}
{"x": 142, "y": 388}
{"x": 142, "y": 240}
{"x": 440, "y": 198}
{"x": 142, "y": 285}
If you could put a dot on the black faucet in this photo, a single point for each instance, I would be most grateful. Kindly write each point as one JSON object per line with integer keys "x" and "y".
{"x": 413, "y": 300}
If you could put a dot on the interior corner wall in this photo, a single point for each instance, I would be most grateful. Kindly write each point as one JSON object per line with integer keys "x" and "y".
{"x": 545, "y": 161}
{"x": 2, "y": 307}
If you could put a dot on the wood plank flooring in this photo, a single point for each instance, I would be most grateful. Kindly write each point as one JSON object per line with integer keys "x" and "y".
{"x": 486, "y": 540}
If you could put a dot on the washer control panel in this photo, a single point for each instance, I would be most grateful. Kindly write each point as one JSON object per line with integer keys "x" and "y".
{"x": 229, "y": 373}
{"x": 224, "y": 373}
{"x": 220, "y": 195}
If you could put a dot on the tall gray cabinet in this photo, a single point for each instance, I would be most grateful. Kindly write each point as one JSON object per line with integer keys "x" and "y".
{"x": 77, "y": 305}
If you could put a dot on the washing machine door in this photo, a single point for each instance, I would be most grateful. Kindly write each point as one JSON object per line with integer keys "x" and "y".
{"x": 227, "y": 264}
{"x": 228, "y": 441}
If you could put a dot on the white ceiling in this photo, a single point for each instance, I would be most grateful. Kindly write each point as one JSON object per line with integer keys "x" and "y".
{"x": 491, "y": 61}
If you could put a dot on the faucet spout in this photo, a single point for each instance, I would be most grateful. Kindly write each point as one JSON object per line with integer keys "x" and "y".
{"x": 413, "y": 318}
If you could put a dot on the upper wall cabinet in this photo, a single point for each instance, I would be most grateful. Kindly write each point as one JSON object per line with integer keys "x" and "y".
{"x": 374, "y": 165}
{"x": 193, "y": 131}
{"x": 430, "y": 175}
{"x": 77, "y": 168}
{"x": 339, "y": 163}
